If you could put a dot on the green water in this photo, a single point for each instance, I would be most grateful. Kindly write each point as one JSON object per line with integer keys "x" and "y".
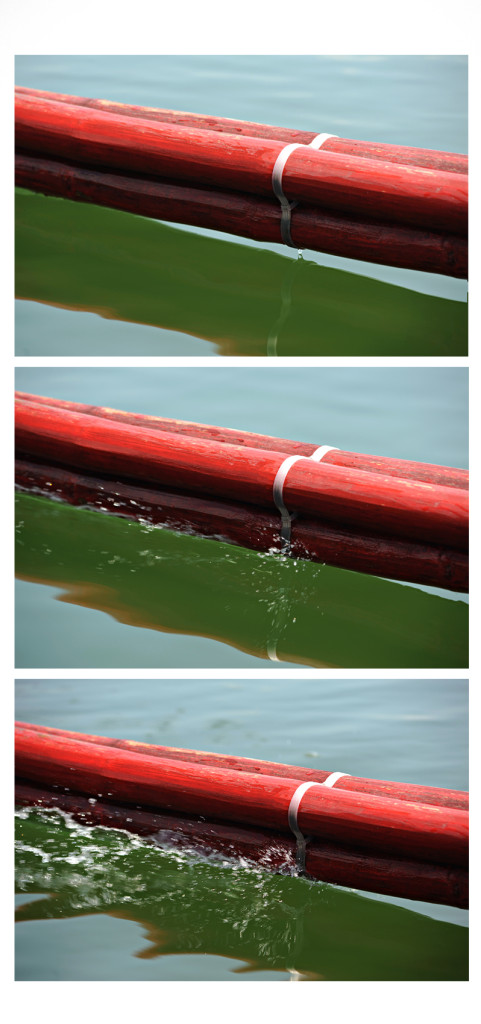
{"x": 159, "y": 915}
{"x": 204, "y": 295}
{"x": 98, "y": 904}
{"x": 93, "y": 281}
{"x": 134, "y": 595}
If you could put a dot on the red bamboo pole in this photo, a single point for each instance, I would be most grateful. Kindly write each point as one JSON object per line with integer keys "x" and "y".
{"x": 393, "y": 790}
{"x": 359, "y": 820}
{"x": 412, "y": 509}
{"x": 405, "y": 469}
{"x": 370, "y": 188}
{"x": 325, "y": 862}
{"x": 249, "y": 216}
{"x": 435, "y": 159}
{"x": 253, "y": 527}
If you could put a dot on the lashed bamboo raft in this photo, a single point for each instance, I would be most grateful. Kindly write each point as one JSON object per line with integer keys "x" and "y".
{"x": 386, "y": 517}
{"x": 395, "y": 839}
{"x": 350, "y": 199}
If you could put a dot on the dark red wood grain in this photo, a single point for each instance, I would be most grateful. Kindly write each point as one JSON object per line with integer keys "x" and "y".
{"x": 405, "y": 508}
{"x": 353, "y": 147}
{"x": 253, "y": 527}
{"x": 248, "y": 216}
{"x": 395, "y": 790}
{"x": 408, "y": 470}
{"x": 360, "y": 820}
{"x": 356, "y": 185}
{"x": 326, "y": 862}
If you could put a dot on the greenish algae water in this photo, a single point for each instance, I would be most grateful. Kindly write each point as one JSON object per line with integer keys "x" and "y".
{"x": 240, "y": 299}
{"x": 100, "y": 590}
{"x": 239, "y": 921}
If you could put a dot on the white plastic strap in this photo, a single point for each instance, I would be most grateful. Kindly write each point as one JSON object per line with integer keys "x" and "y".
{"x": 333, "y": 778}
{"x": 277, "y": 494}
{"x": 292, "y": 813}
{"x": 277, "y": 172}
{"x": 278, "y": 487}
{"x": 322, "y": 451}
{"x": 286, "y": 206}
{"x": 321, "y": 139}
{"x": 294, "y": 827}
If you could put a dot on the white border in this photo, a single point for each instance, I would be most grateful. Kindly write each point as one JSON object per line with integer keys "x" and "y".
{"x": 416, "y": 27}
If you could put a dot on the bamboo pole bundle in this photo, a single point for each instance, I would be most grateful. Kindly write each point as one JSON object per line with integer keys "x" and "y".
{"x": 428, "y": 832}
{"x": 402, "y": 468}
{"x": 412, "y": 510}
{"x": 368, "y": 206}
{"x": 353, "y": 147}
{"x": 349, "y": 830}
{"x": 361, "y": 186}
{"x": 397, "y": 790}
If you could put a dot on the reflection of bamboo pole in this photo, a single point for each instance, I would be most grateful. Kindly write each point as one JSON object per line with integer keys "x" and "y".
{"x": 338, "y": 233}
{"x": 397, "y": 790}
{"x": 403, "y": 468}
{"x": 436, "y": 200}
{"x": 157, "y": 579}
{"x": 359, "y": 820}
{"x": 140, "y": 270}
{"x": 373, "y": 150}
{"x": 246, "y": 525}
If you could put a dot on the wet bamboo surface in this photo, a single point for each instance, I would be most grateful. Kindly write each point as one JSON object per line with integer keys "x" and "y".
{"x": 325, "y": 861}
{"x": 242, "y": 524}
{"x": 337, "y": 233}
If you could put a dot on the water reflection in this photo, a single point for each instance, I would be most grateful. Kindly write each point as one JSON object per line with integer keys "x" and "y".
{"x": 188, "y": 904}
{"x": 245, "y": 300}
{"x": 288, "y": 611}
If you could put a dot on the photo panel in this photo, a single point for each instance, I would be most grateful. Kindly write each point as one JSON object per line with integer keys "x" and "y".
{"x": 146, "y": 230}
{"x": 197, "y": 539}
{"x": 181, "y": 860}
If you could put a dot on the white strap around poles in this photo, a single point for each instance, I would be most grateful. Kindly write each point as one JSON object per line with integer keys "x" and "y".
{"x": 278, "y": 487}
{"x": 277, "y": 172}
{"x": 292, "y": 813}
